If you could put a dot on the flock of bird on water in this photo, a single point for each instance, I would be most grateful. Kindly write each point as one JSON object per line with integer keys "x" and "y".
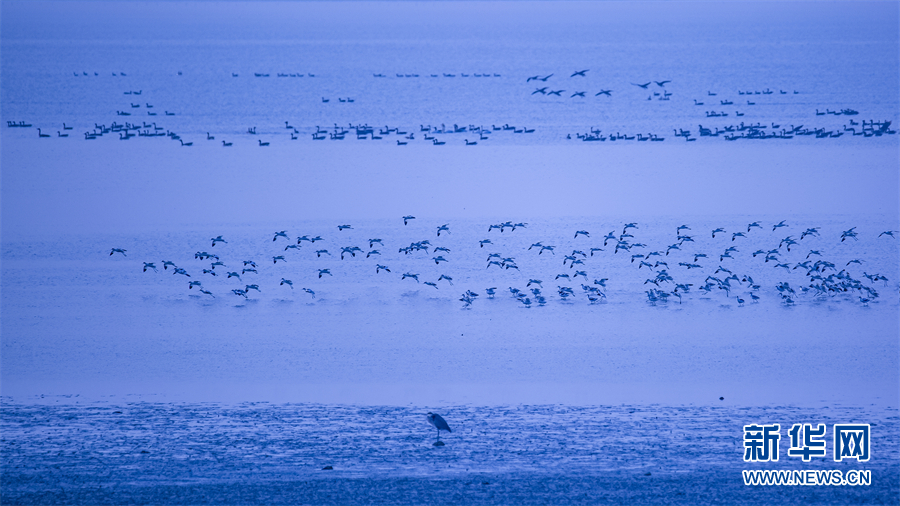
{"x": 473, "y": 134}
{"x": 674, "y": 271}
{"x": 821, "y": 280}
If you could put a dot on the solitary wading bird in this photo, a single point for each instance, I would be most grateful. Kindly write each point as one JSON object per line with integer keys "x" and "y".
{"x": 440, "y": 424}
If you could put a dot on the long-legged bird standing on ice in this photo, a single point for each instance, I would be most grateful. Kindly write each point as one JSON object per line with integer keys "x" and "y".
{"x": 440, "y": 424}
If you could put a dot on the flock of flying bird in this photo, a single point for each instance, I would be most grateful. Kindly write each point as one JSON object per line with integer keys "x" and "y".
{"x": 674, "y": 271}
{"x": 545, "y": 90}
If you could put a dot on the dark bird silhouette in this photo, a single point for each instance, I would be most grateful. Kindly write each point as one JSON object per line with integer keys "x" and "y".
{"x": 438, "y": 422}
